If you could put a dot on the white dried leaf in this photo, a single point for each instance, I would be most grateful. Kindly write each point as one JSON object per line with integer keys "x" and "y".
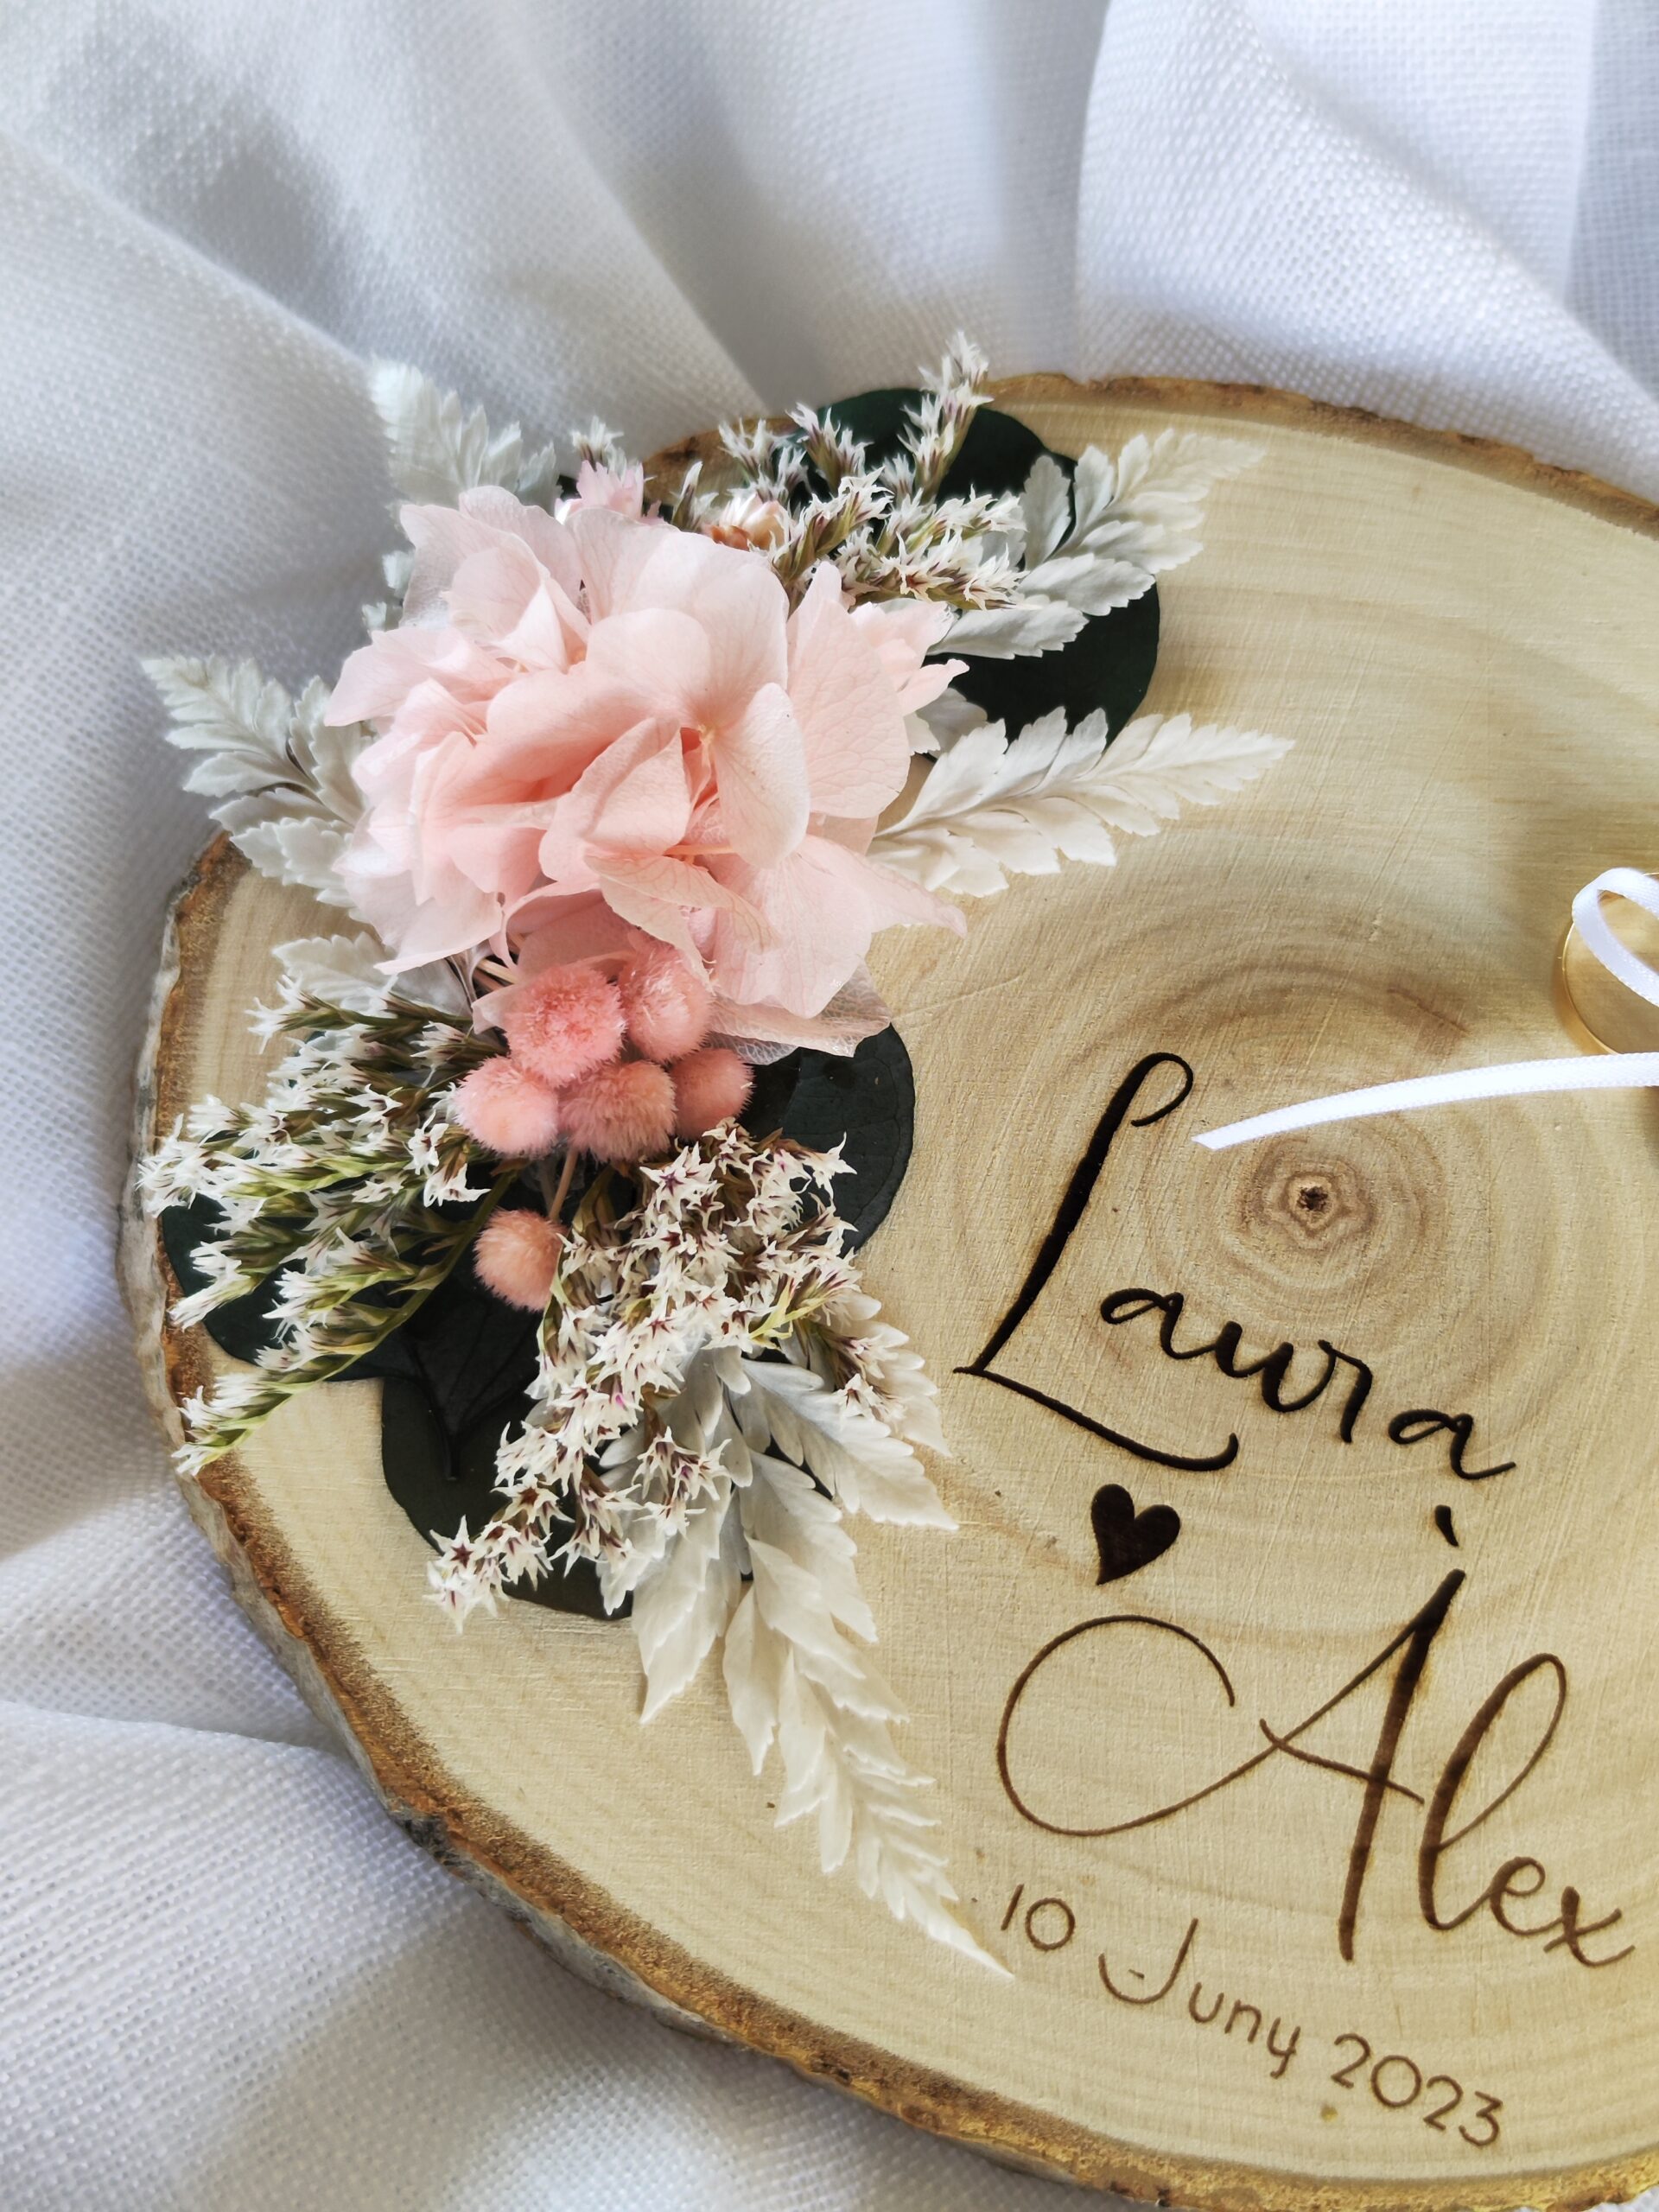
{"x": 866, "y": 1468}
{"x": 986, "y": 810}
{"x": 325, "y": 754}
{"x": 1091, "y": 582}
{"x": 1028, "y": 626}
{"x": 751, "y": 1662}
{"x": 1148, "y": 509}
{"x": 282, "y": 777}
{"x": 1046, "y": 504}
{"x": 1100, "y": 543}
{"x": 230, "y": 713}
{"x": 942, "y": 719}
{"x": 348, "y": 971}
{"x": 683, "y": 1600}
{"x": 794, "y": 1679}
{"x": 299, "y": 851}
{"x": 811, "y": 1584}
{"x": 438, "y": 450}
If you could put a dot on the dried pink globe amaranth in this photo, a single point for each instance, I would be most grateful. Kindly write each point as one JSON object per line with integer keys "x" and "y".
{"x": 709, "y": 1086}
{"x": 620, "y": 1112}
{"x": 563, "y": 1023}
{"x": 665, "y": 1002}
{"x": 508, "y": 1110}
{"x": 516, "y": 1256}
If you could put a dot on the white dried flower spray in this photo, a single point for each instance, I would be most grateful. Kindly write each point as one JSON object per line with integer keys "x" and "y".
{"x": 714, "y": 1397}
{"x": 348, "y": 1185}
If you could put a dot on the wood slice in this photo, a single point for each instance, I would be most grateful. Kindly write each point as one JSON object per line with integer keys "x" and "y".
{"x": 1405, "y": 1956}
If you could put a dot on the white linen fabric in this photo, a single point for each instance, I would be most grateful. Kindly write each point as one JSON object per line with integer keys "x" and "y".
{"x": 228, "y": 1980}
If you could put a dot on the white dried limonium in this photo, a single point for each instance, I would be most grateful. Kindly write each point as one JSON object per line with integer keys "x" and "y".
{"x": 349, "y": 1184}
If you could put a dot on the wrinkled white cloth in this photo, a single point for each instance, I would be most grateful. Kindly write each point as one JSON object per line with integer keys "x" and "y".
{"x": 228, "y": 1981}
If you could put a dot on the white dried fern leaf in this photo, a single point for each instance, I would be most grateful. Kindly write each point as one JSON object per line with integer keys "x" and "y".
{"x": 348, "y": 971}
{"x": 986, "y": 810}
{"x": 683, "y": 1600}
{"x": 795, "y": 1679}
{"x": 798, "y": 1676}
{"x": 281, "y": 776}
{"x": 1145, "y": 511}
{"x": 1098, "y": 541}
{"x": 862, "y": 1464}
{"x": 438, "y": 450}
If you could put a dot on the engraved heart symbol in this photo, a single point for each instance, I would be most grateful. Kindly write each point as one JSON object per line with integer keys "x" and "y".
{"x": 1129, "y": 1540}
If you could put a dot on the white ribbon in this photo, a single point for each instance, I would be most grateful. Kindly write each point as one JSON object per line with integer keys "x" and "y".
{"x": 1515, "y": 1079}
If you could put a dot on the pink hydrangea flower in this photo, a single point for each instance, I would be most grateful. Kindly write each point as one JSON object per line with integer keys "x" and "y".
{"x": 598, "y": 726}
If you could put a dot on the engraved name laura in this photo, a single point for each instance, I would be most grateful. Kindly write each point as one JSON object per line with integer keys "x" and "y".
{"x": 1347, "y": 1378}
{"x": 1453, "y": 1886}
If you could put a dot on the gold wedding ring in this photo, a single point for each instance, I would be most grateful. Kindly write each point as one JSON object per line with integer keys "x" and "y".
{"x": 1572, "y": 1015}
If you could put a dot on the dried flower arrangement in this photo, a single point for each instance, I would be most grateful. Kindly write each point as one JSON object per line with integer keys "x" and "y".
{"x": 623, "y": 792}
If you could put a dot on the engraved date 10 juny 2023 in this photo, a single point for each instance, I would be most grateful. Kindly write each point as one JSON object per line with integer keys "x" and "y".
{"x": 1448, "y": 1822}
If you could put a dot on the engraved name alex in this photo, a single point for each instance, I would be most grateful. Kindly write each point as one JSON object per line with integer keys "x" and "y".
{"x": 1455, "y": 1883}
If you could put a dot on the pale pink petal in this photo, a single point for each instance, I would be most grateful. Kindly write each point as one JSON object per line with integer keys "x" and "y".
{"x": 550, "y": 541}
{"x": 611, "y": 551}
{"x": 732, "y": 597}
{"x": 442, "y": 538}
{"x": 437, "y": 929}
{"x": 902, "y": 631}
{"x": 543, "y": 729}
{"x": 642, "y": 775}
{"x": 551, "y": 633}
{"x": 553, "y": 929}
{"x": 658, "y": 875}
{"x": 856, "y": 1012}
{"x": 822, "y": 906}
{"x": 491, "y": 588}
{"x": 487, "y": 516}
{"x": 890, "y": 899}
{"x": 852, "y": 724}
{"x": 604, "y": 487}
{"x": 661, "y": 657}
{"x": 659, "y": 918}
{"x": 761, "y": 773}
{"x": 378, "y": 676}
{"x": 649, "y": 806}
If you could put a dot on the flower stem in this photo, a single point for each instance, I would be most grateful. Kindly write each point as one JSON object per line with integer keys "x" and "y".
{"x": 555, "y": 1200}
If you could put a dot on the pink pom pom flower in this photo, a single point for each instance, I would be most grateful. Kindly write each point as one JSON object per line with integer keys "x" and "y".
{"x": 620, "y": 1112}
{"x": 665, "y": 1002}
{"x": 709, "y": 1086}
{"x": 507, "y": 1109}
{"x": 516, "y": 1256}
{"x": 563, "y": 1023}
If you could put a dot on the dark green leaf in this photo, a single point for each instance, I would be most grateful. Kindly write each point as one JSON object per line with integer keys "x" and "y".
{"x": 1107, "y": 665}
{"x": 456, "y": 1375}
{"x": 867, "y": 1102}
{"x": 442, "y": 1477}
{"x": 471, "y": 1362}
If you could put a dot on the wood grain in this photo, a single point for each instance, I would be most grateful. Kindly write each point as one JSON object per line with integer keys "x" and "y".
{"x": 1462, "y": 646}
